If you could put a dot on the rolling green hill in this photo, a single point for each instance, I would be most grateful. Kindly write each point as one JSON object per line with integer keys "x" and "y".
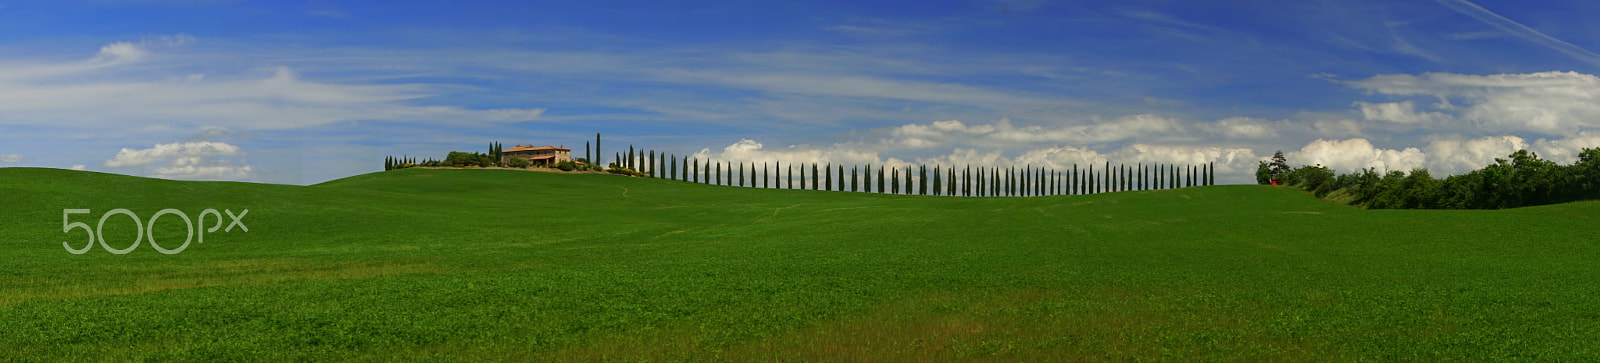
{"x": 498, "y": 264}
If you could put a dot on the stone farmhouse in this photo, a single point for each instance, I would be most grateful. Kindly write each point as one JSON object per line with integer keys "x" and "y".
{"x": 537, "y": 155}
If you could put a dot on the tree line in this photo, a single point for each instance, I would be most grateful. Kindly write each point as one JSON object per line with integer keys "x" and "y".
{"x": 938, "y": 180}
{"x": 1521, "y": 179}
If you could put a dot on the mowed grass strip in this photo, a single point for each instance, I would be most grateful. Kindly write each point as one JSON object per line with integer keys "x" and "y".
{"x": 497, "y": 264}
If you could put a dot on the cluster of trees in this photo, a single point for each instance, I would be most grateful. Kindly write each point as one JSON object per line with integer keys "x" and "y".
{"x": 401, "y": 162}
{"x": 919, "y": 180}
{"x": 1520, "y": 179}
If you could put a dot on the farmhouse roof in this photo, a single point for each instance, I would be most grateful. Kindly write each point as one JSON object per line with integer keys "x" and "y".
{"x": 529, "y": 148}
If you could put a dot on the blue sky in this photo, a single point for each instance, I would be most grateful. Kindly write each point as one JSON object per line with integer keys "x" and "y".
{"x": 304, "y": 92}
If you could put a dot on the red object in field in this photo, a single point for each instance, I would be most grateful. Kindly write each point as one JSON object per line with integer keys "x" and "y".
{"x": 1274, "y": 182}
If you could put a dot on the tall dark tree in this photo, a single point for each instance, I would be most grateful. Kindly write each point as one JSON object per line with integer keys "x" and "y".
{"x": 1212, "y": 179}
{"x": 1072, "y": 183}
{"x": 966, "y": 181}
{"x": 586, "y": 155}
{"x": 854, "y": 173}
{"x": 866, "y": 179}
{"x": 894, "y": 181}
{"x": 597, "y": 153}
{"x": 881, "y": 179}
{"x": 1278, "y": 166}
{"x": 950, "y": 185}
{"x": 981, "y": 183}
{"x": 816, "y": 177}
{"x": 827, "y": 177}
{"x": 1088, "y": 177}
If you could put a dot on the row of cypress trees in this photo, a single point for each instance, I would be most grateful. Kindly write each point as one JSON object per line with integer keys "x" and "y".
{"x": 920, "y": 179}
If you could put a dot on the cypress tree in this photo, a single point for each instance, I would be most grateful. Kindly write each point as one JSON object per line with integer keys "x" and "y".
{"x": 854, "y": 173}
{"x": 653, "y": 164}
{"x": 827, "y": 177}
{"x": 1073, "y": 184}
{"x": 586, "y": 155}
{"x": 881, "y": 178}
{"x": 936, "y": 185}
{"x": 841, "y": 177}
{"x": 1213, "y": 172}
{"x": 1172, "y": 176}
{"x": 1088, "y": 176}
{"x": 597, "y": 153}
{"x": 707, "y": 172}
{"x": 991, "y": 182}
{"x": 791, "y": 176}
{"x": 979, "y": 184}
{"x": 949, "y": 186}
{"x": 1012, "y": 181}
{"x": 894, "y": 181}
{"x": 922, "y": 180}
{"x": 866, "y": 179}
{"x": 966, "y": 182}
{"x": 816, "y": 177}
{"x": 695, "y": 173}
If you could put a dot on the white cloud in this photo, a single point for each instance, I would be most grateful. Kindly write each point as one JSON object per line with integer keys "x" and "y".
{"x": 188, "y": 160}
{"x": 1003, "y": 134}
{"x": 77, "y": 167}
{"x": 12, "y": 158}
{"x": 748, "y": 151}
{"x": 1241, "y": 128}
{"x": 125, "y": 85}
{"x": 1401, "y": 112}
{"x": 1565, "y": 151}
{"x": 1450, "y": 156}
{"x": 1352, "y": 155}
{"x": 1551, "y": 103}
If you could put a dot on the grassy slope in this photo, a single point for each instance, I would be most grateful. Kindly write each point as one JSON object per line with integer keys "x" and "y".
{"x": 481, "y": 263}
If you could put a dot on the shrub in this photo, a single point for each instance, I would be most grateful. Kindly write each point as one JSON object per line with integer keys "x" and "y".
{"x": 518, "y": 163}
{"x": 567, "y": 166}
{"x": 624, "y": 171}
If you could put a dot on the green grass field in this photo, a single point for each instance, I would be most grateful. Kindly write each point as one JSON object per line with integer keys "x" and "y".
{"x": 498, "y": 264}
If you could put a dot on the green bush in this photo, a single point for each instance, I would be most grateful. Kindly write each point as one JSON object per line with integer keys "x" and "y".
{"x": 518, "y": 163}
{"x": 567, "y": 165}
{"x": 624, "y": 171}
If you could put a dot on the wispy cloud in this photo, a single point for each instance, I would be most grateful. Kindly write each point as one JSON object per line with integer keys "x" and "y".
{"x": 108, "y": 89}
{"x": 1522, "y": 31}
